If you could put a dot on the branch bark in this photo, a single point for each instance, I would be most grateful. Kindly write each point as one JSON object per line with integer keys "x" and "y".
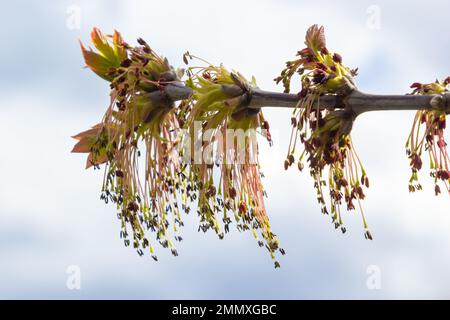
{"x": 357, "y": 101}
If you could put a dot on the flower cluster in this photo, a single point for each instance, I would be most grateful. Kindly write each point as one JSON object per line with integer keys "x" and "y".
{"x": 229, "y": 177}
{"x": 138, "y": 124}
{"x": 427, "y": 134}
{"x": 150, "y": 175}
{"x": 325, "y": 133}
{"x": 321, "y": 71}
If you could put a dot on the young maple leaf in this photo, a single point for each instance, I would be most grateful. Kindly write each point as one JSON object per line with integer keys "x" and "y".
{"x": 315, "y": 38}
{"x": 110, "y": 53}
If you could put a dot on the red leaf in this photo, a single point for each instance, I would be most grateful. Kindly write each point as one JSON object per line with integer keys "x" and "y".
{"x": 83, "y": 146}
{"x": 315, "y": 38}
{"x": 99, "y": 160}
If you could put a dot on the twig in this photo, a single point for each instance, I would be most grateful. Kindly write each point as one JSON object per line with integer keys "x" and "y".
{"x": 357, "y": 101}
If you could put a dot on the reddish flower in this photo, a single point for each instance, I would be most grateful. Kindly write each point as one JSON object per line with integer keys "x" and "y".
{"x": 428, "y": 133}
{"x": 328, "y": 146}
{"x": 135, "y": 122}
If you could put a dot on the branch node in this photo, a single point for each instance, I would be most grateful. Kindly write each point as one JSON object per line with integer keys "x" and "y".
{"x": 437, "y": 102}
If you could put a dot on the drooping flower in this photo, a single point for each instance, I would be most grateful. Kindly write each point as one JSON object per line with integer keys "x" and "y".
{"x": 140, "y": 125}
{"x": 427, "y": 134}
{"x": 325, "y": 134}
{"x": 228, "y": 176}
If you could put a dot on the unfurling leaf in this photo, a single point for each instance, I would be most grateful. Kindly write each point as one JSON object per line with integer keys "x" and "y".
{"x": 315, "y": 38}
{"x": 110, "y": 53}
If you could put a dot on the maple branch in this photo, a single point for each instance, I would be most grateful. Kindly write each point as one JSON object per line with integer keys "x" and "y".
{"x": 356, "y": 101}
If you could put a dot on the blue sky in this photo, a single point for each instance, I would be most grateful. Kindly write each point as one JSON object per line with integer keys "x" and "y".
{"x": 50, "y": 213}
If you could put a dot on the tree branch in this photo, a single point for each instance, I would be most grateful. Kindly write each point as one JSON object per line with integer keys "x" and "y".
{"x": 357, "y": 101}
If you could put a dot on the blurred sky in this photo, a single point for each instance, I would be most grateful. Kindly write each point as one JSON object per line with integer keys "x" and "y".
{"x": 50, "y": 213}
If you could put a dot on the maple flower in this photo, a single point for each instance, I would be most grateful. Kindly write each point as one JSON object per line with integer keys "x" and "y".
{"x": 325, "y": 134}
{"x": 231, "y": 183}
{"x": 427, "y": 134}
{"x": 139, "y": 125}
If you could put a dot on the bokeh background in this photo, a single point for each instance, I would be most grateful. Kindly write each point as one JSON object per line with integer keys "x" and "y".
{"x": 51, "y": 218}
